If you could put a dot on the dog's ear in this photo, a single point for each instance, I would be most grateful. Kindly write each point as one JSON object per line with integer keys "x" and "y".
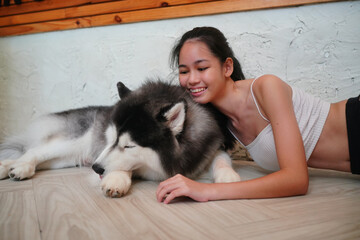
{"x": 123, "y": 90}
{"x": 175, "y": 117}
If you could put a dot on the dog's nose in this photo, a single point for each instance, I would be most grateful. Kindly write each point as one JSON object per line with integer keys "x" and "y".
{"x": 98, "y": 169}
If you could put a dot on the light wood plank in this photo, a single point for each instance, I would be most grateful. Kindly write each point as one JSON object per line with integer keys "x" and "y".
{"x": 68, "y": 204}
{"x": 62, "y": 214}
{"x": 13, "y": 186}
{"x": 18, "y": 215}
{"x": 321, "y": 223}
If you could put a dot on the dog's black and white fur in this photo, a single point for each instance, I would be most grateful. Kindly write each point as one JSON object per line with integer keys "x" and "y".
{"x": 154, "y": 132}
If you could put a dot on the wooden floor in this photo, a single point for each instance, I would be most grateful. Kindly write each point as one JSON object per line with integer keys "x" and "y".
{"x": 68, "y": 204}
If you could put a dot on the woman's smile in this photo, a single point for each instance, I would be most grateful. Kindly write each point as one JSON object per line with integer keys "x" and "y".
{"x": 196, "y": 92}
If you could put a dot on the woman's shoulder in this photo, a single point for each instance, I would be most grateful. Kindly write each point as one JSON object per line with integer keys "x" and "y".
{"x": 269, "y": 84}
{"x": 268, "y": 79}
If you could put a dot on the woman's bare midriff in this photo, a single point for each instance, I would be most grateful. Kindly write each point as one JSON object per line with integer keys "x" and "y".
{"x": 332, "y": 149}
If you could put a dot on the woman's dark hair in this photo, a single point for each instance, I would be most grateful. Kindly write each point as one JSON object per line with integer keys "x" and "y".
{"x": 216, "y": 42}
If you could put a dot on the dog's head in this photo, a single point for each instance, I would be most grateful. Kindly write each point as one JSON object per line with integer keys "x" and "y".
{"x": 145, "y": 128}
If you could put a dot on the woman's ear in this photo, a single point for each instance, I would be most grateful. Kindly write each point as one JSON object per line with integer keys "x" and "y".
{"x": 228, "y": 67}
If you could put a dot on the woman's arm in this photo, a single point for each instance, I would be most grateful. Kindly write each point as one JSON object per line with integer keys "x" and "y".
{"x": 275, "y": 101}
{"x": 276, "y": 184}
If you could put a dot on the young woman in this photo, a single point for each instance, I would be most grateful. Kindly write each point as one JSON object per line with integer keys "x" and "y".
{"x": 283, "y": 128}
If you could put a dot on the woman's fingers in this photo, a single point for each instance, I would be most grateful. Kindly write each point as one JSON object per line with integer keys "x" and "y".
{"x": 166, "y": 188}
{"x": 164, "y": 191}
{"x": 178, "y": 186}
{"x": 174, "y": 194}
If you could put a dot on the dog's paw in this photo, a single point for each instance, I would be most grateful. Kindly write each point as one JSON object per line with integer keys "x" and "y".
{"x": 4, "y": 168}
{"x": 226, "y": 175}
{"x": 22, "y": 171}
{"x": 116, "y": 184}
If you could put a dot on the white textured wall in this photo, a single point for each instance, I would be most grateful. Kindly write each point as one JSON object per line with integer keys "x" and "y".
{"x": 314, "y": 47}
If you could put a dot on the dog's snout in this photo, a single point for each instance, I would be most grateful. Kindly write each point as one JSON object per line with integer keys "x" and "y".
{"x": 98, "y": 169}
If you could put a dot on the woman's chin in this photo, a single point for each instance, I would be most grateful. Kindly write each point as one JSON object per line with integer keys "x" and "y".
{"x": 200, "y": 100}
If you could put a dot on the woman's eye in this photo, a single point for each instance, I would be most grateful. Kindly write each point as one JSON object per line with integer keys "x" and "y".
{"x": 202, "y": 69}
{"x": 183, "y": 72}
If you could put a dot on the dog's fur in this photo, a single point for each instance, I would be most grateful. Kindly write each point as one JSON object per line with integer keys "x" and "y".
{"x": 154, "y": 132}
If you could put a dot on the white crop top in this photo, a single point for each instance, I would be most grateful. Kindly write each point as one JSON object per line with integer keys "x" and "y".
{"x": 311, "y": 114}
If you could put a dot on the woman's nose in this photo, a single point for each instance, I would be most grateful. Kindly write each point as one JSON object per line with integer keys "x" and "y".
{"x": 193, "y": 79}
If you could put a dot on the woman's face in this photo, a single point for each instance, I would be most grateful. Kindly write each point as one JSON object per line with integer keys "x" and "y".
{"x": 200, "y": 72}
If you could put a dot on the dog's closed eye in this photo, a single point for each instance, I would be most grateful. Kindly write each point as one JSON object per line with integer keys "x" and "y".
{"x": 129, "y": 146}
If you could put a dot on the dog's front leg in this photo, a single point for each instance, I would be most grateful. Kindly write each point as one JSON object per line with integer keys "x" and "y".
{"x": 25, "y": 166}
{"x": 116, "y": 183}
{"x": 222, "y": 169}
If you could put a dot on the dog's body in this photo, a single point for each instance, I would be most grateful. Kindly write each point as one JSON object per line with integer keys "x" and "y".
{"x": 154, "y": 132}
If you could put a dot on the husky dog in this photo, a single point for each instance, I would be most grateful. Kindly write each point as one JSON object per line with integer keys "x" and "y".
{"x": 154, "y": 132}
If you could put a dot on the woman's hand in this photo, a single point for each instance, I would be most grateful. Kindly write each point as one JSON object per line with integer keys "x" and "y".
{"x": 182, "y": 186}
